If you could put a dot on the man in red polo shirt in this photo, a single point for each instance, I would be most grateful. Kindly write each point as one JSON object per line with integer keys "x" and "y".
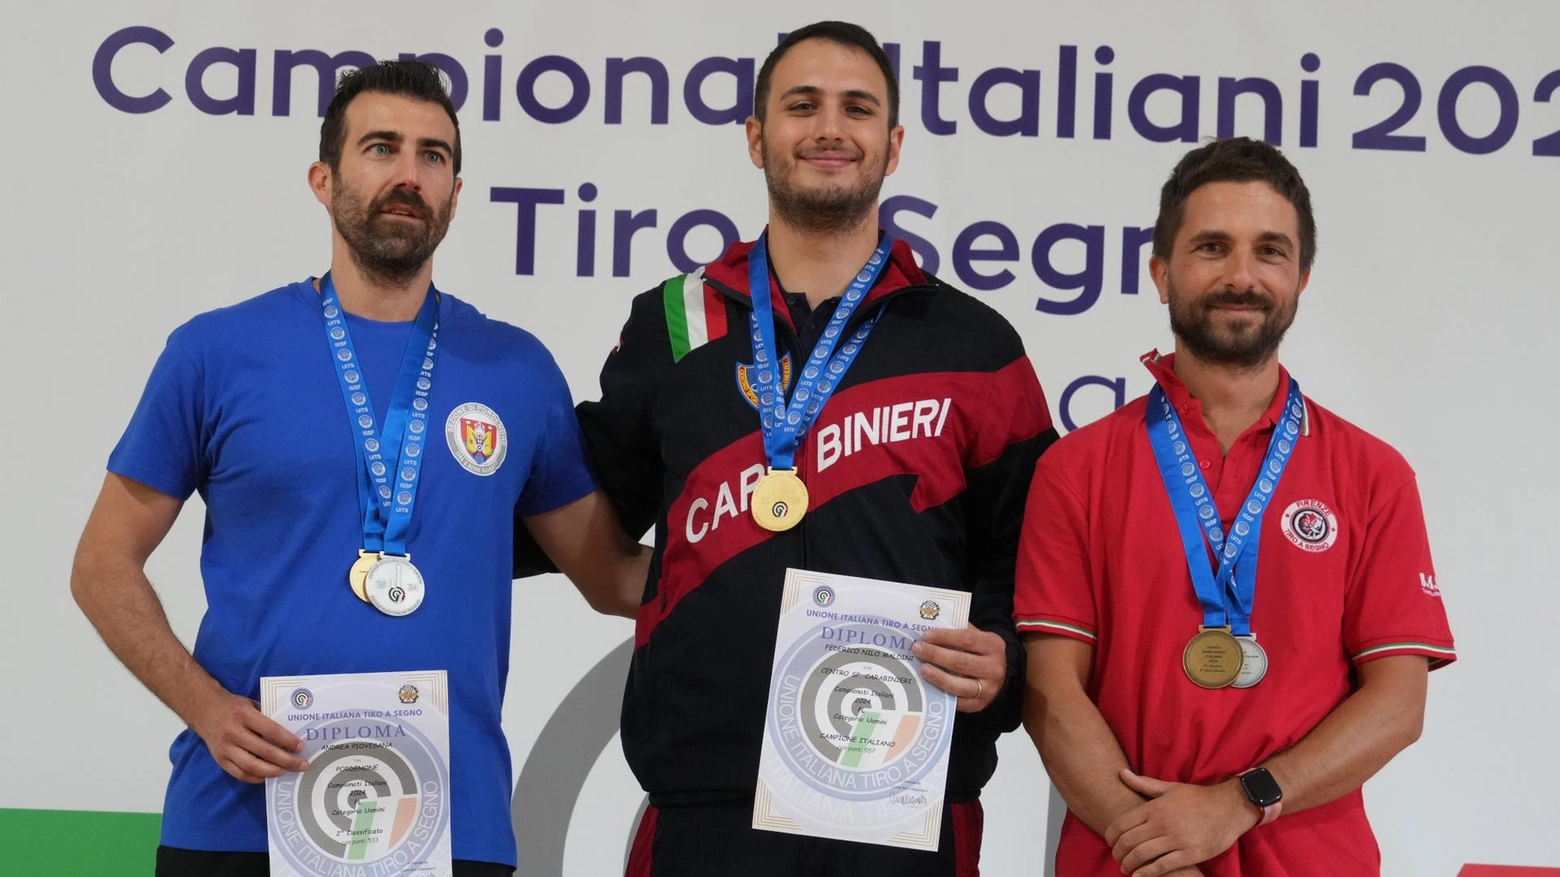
{"x": 1199, "y": 711}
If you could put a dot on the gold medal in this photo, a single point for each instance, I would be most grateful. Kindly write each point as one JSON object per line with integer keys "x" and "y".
{"x": 779, "y": 500}
{"x": 1213, "y": 658}
{"x": 357, "y": 576}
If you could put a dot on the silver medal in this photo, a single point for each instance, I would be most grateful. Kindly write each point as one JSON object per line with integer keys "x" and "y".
{"x": 1253, "y": 665}
{"x": 394, "y": 586}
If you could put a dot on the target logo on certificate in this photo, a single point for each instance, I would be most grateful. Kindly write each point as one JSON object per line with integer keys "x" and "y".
{"x": 856, "y": 743}
{"x": 375, "y": 798}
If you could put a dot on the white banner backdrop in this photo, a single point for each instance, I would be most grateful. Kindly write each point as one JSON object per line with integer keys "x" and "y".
{"x": 156, "y": 156}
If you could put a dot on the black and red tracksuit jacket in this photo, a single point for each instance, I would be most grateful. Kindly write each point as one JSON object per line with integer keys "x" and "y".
{"x": 917, "y": 471}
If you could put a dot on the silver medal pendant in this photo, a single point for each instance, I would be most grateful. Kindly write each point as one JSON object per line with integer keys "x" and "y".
{"x": 394, "y": 586}
{"x": 1253, "y": 665}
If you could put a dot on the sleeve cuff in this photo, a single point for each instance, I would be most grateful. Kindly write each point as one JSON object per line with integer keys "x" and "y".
{"x": 1056, "y": 626}
{"x": 127, "y": 466}
{"x": 1440, "y": 655}
{"x": 581, "y": 486}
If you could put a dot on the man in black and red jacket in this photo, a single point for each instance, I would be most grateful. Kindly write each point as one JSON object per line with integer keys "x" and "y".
{"x": 917, "y": 471}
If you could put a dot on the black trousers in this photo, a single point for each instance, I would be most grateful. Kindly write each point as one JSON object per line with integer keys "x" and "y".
{"x": 720, "y": 841}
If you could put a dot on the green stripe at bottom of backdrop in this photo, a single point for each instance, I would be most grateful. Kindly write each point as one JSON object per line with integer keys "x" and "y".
{"x": 66, "y": 843}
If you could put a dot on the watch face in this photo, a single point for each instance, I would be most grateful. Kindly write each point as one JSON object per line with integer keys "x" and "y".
{"x": 1261, "y": 788}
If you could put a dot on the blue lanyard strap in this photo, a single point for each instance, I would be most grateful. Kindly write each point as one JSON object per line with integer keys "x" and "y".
{"x": 389, "y": 458}
{"x": 786, "y": 423}
{"x": 1228, "y": 596}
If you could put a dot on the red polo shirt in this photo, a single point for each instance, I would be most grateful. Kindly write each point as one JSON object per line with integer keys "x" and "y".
{"x": 1344, "y": 577}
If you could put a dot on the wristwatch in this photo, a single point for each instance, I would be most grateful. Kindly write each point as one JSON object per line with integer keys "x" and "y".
{"x": 1263, "y": 792}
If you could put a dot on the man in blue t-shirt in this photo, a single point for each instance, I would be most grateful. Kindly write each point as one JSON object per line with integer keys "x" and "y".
{"x": 338, "y": 422}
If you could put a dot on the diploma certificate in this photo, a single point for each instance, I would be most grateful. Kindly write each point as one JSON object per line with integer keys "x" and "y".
{"x": 375, "y": 799}
{"x": 855, "y": 741}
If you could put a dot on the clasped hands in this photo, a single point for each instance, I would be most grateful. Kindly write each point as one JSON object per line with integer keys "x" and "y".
{"x": 1178, "y": 826}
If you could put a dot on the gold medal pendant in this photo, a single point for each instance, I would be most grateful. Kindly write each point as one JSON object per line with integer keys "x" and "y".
{"x": 1213, "y": 658}
{"x": 779, "y": 500}
{"x": 357, "y": 576}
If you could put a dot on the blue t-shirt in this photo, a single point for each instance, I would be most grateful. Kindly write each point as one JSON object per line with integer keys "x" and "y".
{"x": 244, "y": 407}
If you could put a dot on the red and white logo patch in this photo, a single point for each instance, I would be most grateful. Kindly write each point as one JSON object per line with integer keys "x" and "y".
{"x": 1310, "y": 525}
{"x": 477, "y": 438}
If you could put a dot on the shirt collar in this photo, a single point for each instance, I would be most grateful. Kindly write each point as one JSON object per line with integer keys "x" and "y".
{"x": 1162, "y": 367}
{"x": 730, "y": 271}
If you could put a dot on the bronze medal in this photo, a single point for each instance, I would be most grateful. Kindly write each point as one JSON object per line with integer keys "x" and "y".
{"x": 1213, "y": 658}
{"x": 357, "y": 576}
{"x": 779, "y": 500}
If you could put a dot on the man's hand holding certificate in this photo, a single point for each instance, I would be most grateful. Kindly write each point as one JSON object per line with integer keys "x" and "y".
{"x": 856, "y": 741}
{"x": 375, "y": 797}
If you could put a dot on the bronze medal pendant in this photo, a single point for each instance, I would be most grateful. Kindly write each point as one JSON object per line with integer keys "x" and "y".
{"x": 1213, "y": 658}
{"x": 779, "y": 500}
{"x": 357, "y": 576}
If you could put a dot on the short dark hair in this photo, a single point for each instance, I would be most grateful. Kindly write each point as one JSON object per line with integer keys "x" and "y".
{"x": 414, "y": 79}
{"x": 842, "y": 32}
{"x": 1233, "y": 160}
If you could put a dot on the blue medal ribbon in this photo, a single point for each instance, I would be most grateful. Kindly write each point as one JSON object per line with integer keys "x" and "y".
{"x": 389, "y": 459}
{"x": 786, "y": 423}
{"x": 1227, "y": 596}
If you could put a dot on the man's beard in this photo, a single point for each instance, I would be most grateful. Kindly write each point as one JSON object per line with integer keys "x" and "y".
{"x": 1245, "y": 347}
{"x": 828, "y": 210}
{"x": 387, "y": 250}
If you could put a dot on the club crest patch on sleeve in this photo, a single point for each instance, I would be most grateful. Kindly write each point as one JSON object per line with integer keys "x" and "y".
{"x": 1310, "y": 525}
{"x": 476, "y": 437}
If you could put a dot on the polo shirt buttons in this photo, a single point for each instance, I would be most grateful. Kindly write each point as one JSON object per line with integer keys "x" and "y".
{"x": 1203, "y": 463}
